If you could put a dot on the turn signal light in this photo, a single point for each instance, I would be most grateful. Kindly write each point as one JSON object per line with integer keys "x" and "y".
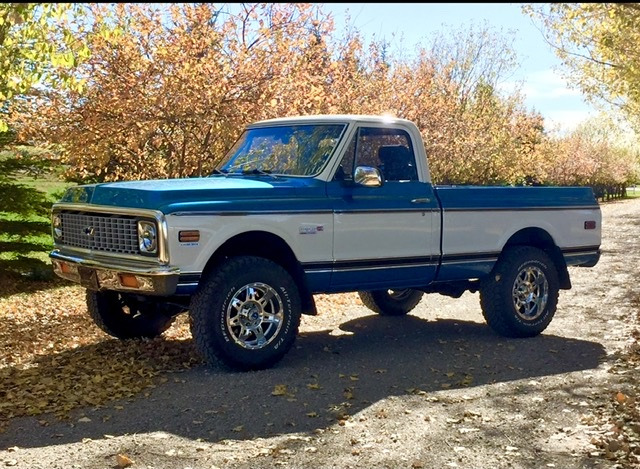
{"x": 189, "y": 236}
{"x": 128, "y": 280}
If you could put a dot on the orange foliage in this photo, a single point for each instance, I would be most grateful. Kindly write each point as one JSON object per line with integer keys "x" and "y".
{"x": 169, "y": 89}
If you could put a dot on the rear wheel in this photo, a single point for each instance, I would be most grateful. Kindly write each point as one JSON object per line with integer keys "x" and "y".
{"x": 246, "y": 314}
{"x": 127, "y": 317}
{"x": 520, "y": 296}
{"x": 391, "y": 302}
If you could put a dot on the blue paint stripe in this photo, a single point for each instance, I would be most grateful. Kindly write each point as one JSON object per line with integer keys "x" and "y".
{"x": 515, "y": 198}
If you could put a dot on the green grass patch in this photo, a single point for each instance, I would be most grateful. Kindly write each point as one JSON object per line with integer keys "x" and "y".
{"x": 51, "y": 186}
{"x": 25, "y": 240}
{"x": 633, "y": 193}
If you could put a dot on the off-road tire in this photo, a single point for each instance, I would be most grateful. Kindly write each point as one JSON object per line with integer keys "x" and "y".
{"x": 124, "y": 317}
{"x": 243, "y": 302}
{"x": 391, "y": 302}
{"x": 520, "y": 295}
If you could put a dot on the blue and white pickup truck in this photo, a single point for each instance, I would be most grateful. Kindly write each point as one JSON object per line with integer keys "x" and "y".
{"x": 316, "y": 204}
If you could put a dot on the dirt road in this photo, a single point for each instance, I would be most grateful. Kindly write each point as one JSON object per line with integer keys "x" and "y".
{"x": 434, "y": 389}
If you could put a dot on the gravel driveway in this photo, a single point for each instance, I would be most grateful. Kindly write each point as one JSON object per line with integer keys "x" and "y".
{"x": 434, "y": 389}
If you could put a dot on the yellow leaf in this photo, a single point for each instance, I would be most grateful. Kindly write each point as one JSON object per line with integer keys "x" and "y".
{"x": 239, "y": 428}
{"x": 279, "y": 390}
{"x": 312, "y": 414}
{"x": 122, "y": 460}
{"x": 313, "y": 386}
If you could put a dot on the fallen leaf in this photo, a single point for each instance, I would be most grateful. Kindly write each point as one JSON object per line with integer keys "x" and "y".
{"x": 122, "y": 460}
{"x": 279, "y": 390}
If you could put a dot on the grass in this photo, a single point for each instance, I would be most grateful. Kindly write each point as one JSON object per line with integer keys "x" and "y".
{"x": 25, "y": 241}
{"x": 633, "y": 193}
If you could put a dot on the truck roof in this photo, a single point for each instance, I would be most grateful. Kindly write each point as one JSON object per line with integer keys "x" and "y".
{"x": 331, "y": 118}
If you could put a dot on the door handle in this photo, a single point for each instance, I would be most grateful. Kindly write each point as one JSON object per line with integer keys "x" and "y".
{"x": 425, "y": 200}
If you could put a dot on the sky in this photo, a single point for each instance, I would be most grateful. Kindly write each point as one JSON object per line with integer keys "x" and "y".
{"x": 404, "y": 25}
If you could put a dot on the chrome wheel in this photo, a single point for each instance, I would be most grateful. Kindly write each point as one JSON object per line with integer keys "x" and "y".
{"x": 255, "y": 315}
{"x": 530, "y": 293}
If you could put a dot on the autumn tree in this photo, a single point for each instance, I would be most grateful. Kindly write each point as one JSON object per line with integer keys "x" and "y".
{"x": 597, "y": 42}
{"x": 168, "y": 89}
{"x": 37, "y": 49}
{"x": 473, "y": 133}
{"x": 597, "y": 154}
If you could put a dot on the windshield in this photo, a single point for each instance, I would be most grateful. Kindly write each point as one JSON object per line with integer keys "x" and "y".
{"x": 298, "y": 150}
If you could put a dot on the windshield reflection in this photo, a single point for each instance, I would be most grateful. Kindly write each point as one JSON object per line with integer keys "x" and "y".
{"x": 297, "y": 150}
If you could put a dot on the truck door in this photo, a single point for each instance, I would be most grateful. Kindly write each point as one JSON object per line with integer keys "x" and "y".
{"x": 385, "y": 236}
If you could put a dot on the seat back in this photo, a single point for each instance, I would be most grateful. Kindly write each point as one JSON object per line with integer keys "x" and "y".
{"x": 397, "y": 163}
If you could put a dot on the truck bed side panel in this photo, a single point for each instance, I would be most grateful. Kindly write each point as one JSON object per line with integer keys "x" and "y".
{"x": 479, "y": 221}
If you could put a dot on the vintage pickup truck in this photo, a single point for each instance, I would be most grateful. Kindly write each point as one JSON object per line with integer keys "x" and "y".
{"x": 315, "y": 204}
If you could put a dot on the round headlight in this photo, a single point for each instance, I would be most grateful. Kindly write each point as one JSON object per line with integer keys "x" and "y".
{"x": 147, "y": 237}
{"x": 57, "y": 226}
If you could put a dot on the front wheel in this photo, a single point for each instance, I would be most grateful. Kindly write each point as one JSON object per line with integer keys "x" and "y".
{"x": 128, "y": 317}
{"x": 246, "y": 314}
{"x": 391, "y": 302}
{"x": 519, "y": 297}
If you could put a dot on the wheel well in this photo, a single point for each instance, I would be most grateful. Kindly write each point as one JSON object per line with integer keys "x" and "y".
{"x": 269, "y": 246}
{"x": 539, "y": 238}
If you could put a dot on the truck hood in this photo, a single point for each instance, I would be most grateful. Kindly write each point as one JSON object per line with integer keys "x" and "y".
{"x": 215, "y": 193}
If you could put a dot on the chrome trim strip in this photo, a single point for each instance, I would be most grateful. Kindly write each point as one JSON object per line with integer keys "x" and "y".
{"x": 249, "y": 212}
{"x": 354, "y": 268}
{"x": 520, "y": 209}
{"x": 382, "y": 267}
{"x": 319, "y": 271}
{"x": 580, "y": 250}
{"x": 388, "y": 210}
{"x": 469, "y": 261}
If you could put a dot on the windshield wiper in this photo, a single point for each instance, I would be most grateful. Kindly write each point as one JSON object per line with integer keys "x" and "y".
{"x": 219, "y": 171}
{"x": 264, "y": 172}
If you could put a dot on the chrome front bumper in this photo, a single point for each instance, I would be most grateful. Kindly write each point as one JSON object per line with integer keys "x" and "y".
{"x": 116, "y": 274}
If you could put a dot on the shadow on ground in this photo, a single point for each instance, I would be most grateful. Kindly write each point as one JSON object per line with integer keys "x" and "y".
{"x": 27, "y": 275}
{"x": 327, "y": 377}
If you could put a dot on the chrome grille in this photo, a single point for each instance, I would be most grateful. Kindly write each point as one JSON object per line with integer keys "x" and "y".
{"x": 100, "y": 232}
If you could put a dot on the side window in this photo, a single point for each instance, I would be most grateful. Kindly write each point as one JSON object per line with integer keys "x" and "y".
{"x": 345, "y": 170}
{"x": 389, "y": 150}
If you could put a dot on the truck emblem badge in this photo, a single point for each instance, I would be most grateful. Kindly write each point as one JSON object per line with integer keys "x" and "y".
{"x": 89, "y": 230}
{"x": 310, "y": 229}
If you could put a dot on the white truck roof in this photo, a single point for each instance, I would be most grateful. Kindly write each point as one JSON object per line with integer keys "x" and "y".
{"x": 328, "y": 118}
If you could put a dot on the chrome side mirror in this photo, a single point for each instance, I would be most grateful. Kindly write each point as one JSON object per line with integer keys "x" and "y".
{"x": 367, "y": 176}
